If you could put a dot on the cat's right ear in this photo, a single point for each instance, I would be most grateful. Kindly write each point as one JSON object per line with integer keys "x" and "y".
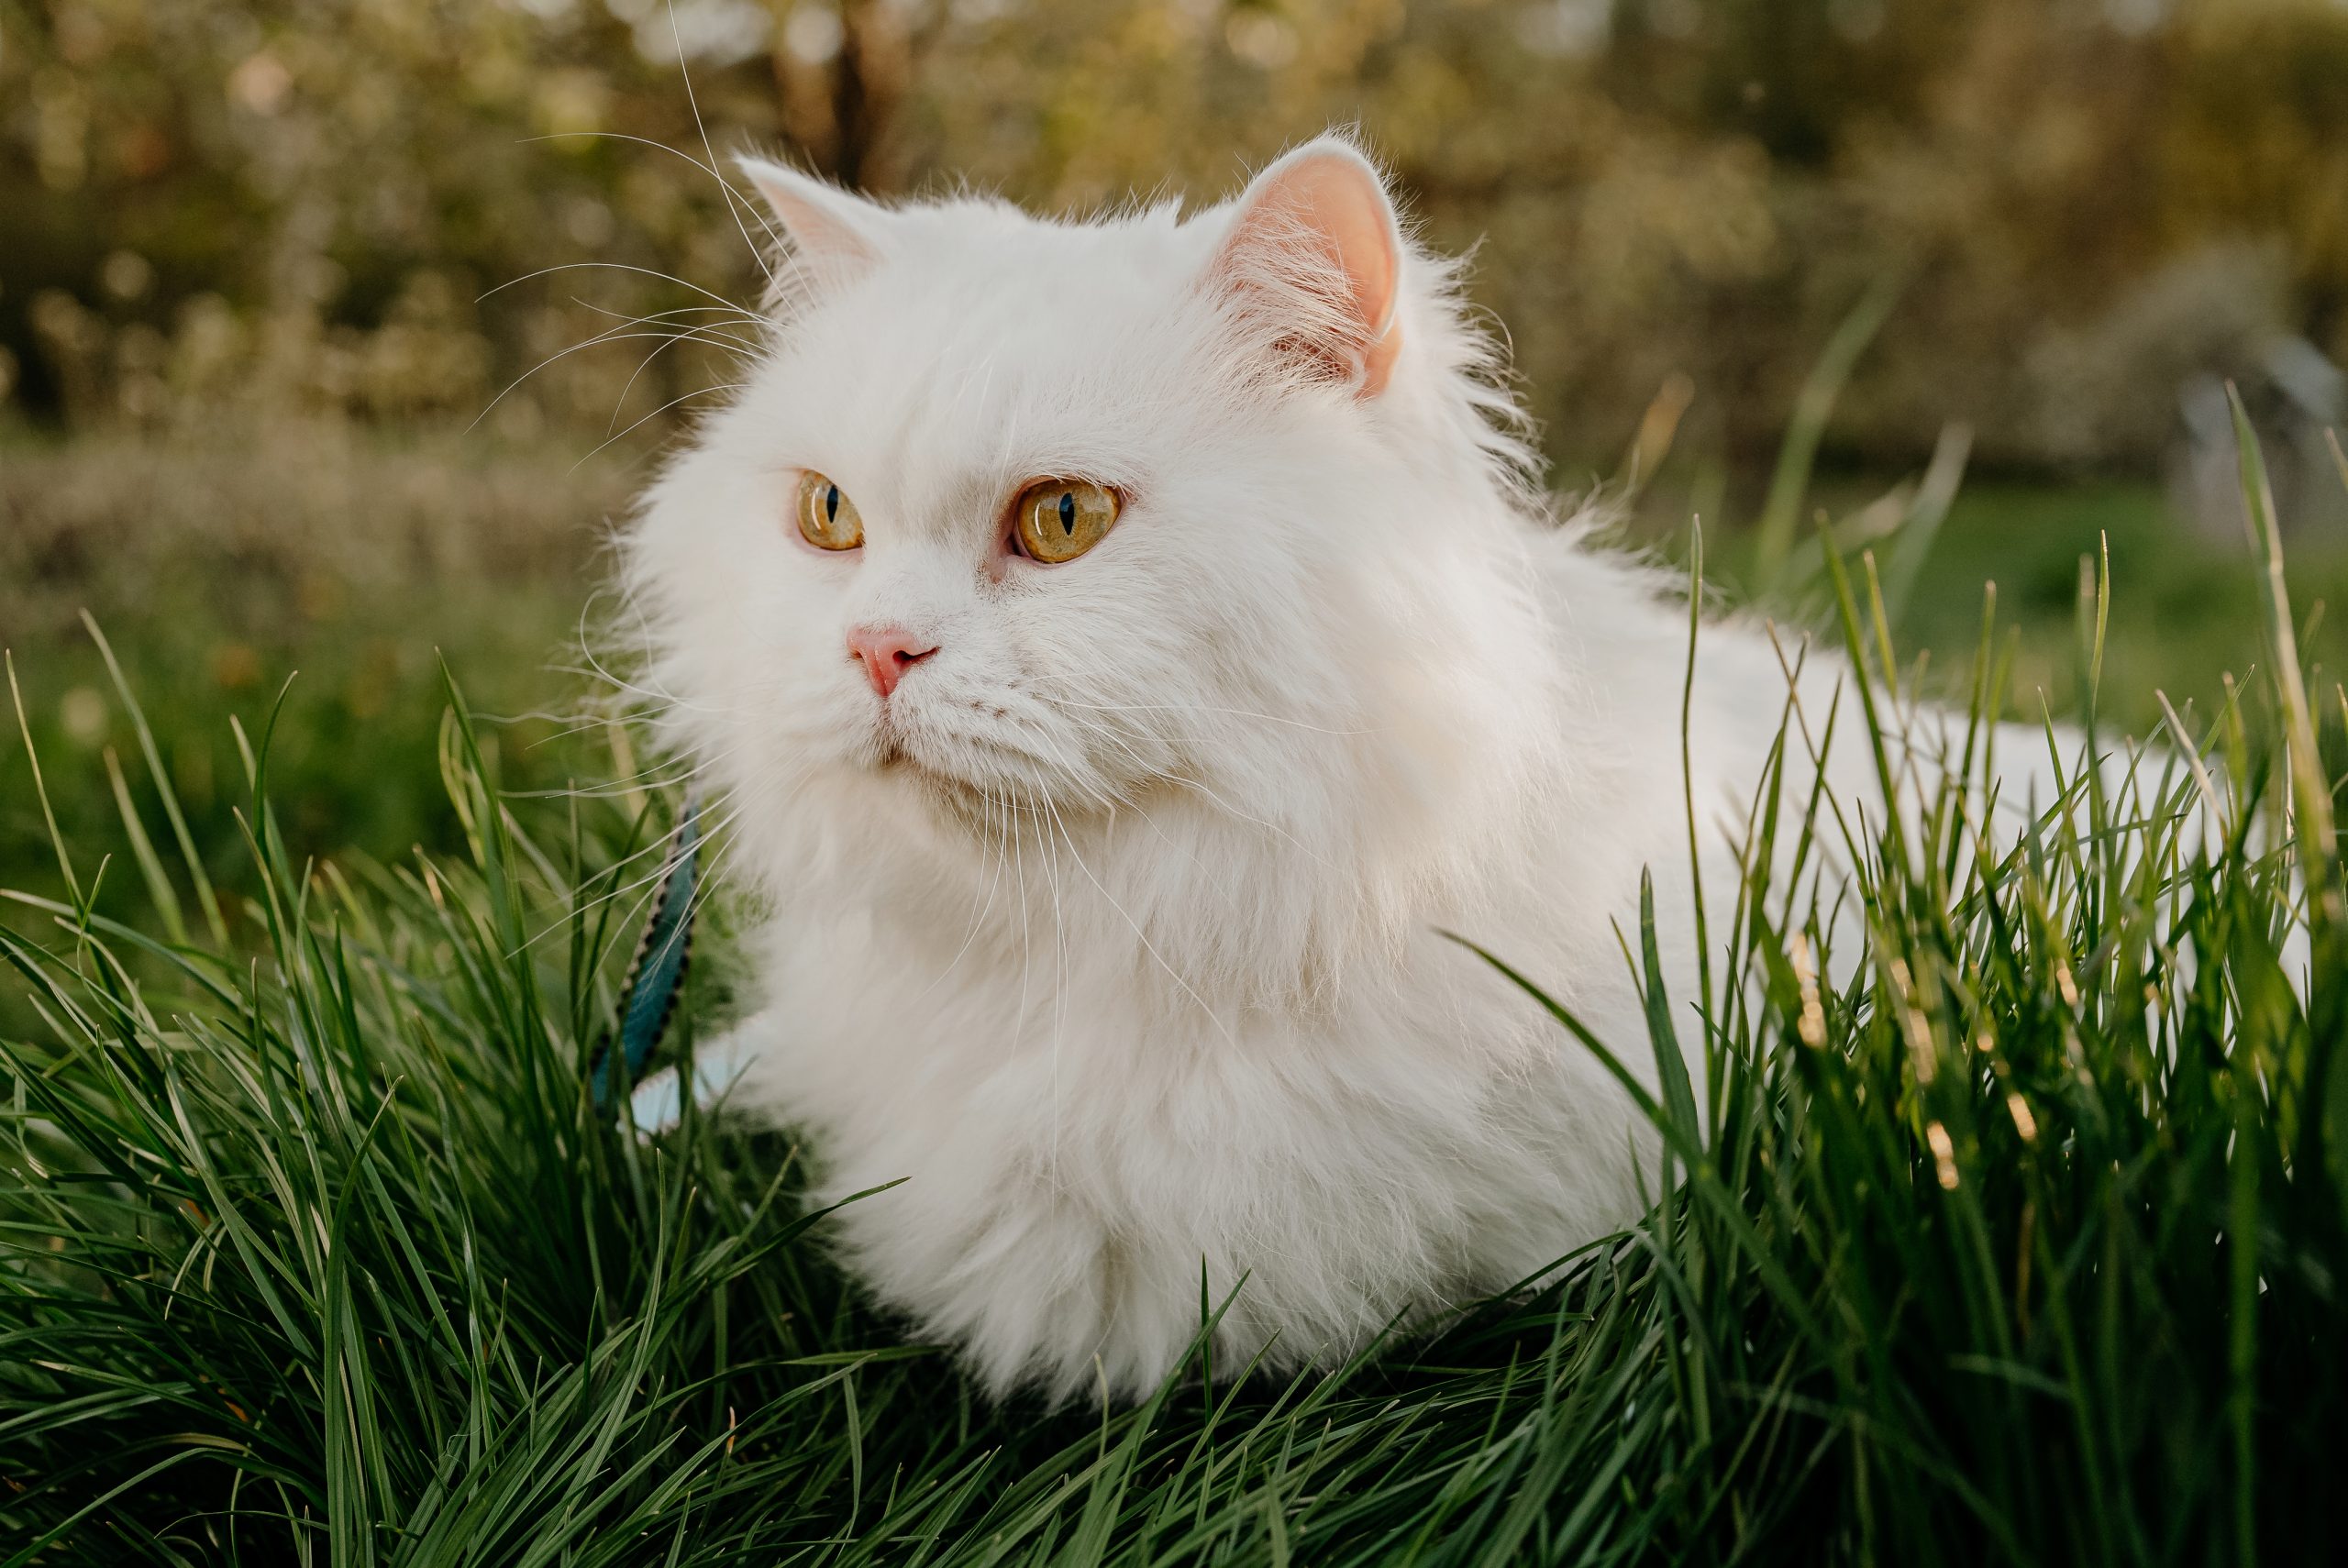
{"x": 835, "y": 235}
{"x": 1314, "y": 258}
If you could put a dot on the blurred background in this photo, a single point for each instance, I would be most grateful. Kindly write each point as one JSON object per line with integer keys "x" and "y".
{"x": 333, "y": 333}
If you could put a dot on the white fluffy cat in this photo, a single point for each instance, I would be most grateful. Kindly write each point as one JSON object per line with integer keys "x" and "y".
{"x": 1121, "y": 647}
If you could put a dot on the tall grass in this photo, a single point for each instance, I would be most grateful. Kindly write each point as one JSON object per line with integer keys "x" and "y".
{"x": 217, "y": 555}
{"x": 2016, "y": 1235}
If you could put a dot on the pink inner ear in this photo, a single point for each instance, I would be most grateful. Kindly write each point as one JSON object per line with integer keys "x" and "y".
{"x": 823, "y": 222}
{"x": 1333, "y": 200}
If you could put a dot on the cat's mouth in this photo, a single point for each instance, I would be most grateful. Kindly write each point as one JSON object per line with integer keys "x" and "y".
{"x": 894, "y": 759}
{"x": 893, "y": 755}
{"x": 952, "y": 793}
{"x": 961, "y": 772}
{"x": 908, "y": 751}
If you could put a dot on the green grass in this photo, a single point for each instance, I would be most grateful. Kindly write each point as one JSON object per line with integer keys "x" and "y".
{"x": 2026, "y": 1243}
{"x": 324, "y": 564}
{"x": 2185, "y": 609}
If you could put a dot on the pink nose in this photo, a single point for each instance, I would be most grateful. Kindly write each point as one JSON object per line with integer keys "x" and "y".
{"x": 886, "y": 652}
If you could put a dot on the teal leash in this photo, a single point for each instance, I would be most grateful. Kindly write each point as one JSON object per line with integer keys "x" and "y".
{"x": 656, "y": 977}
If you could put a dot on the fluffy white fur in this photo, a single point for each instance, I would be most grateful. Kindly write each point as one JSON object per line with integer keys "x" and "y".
{"x": 1114, "y": 933}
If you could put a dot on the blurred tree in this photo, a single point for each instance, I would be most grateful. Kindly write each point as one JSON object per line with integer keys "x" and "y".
{"x": 252, "y": 208}
{"x": 844, "y": 73}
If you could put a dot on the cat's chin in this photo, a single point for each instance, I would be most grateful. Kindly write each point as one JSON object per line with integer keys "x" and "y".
{"x": 944, "y": 778}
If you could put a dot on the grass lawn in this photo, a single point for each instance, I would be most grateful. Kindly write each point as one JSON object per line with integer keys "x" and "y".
{"x": 337, "y": 568}
{"x": 2025, "y": 1247}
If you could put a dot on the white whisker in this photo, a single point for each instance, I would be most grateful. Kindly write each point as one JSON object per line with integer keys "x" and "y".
{"x": 685, "y": 74}
{"x": 1151, "y": 948}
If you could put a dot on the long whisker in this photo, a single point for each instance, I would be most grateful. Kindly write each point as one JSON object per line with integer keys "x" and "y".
{"x": 669, "y": 699}
{"x": 978, "y": 920}
{"x": 1070, "y": 764}
{"x": 1135, "y": 806}
{"x": 685, "y": 72}
{"x": 1060, "y": 702}
{"x": 611, "y": 266}
{"x": 1192, "y": 991}
{"x": 650, "y": 883}
{"x": 1026, "y": 944}
{"x": 1191, "y": 781}
{"x": 726, "y": 312}
{"x": 639, "y": 425}
{"x": 714, "y": 173}
{"x": 1059, "y": 995}
{"x": 697, "y": 334}
{"x": 685, "y": 769}
{"x": 614, "y": 336}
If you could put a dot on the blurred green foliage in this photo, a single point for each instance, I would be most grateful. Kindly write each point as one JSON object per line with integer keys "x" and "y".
{"x": 322, "y": 566}
{"x": 252, "y": 259}
{"x": 296, "y": 206}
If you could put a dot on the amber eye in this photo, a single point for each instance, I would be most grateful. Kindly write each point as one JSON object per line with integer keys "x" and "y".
{"x": 826, "y": 517}
{"x": 1059, "y": 520}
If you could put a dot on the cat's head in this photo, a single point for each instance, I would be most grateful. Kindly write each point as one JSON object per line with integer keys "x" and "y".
{"x": 1014, "y": 514}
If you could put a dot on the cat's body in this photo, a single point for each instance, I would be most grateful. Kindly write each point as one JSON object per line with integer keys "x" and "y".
{"x": 1118, "y": 1052}
{"x": 1107, "y": 895}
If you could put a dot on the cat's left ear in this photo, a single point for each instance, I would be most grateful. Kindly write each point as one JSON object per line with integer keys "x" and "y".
{"x": 836, "y": 235}
{"x": 1315, "y": 252}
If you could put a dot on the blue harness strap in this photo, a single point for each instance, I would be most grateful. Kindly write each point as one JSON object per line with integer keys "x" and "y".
{"x": 656, "y": 977}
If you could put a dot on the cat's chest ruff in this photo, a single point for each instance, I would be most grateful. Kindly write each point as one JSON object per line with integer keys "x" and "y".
{"x": 1032, "y": 1082}
{"x": 1032, "y": 1045}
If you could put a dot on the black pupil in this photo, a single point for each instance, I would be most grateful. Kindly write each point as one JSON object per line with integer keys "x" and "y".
{"x": 831, "y": 503}
{"x": 1068, "y": 514}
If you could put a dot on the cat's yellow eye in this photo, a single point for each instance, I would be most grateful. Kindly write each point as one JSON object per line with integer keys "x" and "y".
{"x": 826, "y": 517}
{"x": 1059, "y": 520}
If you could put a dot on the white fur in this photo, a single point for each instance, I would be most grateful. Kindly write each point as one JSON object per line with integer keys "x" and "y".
{"x": 1126, "y": 956}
